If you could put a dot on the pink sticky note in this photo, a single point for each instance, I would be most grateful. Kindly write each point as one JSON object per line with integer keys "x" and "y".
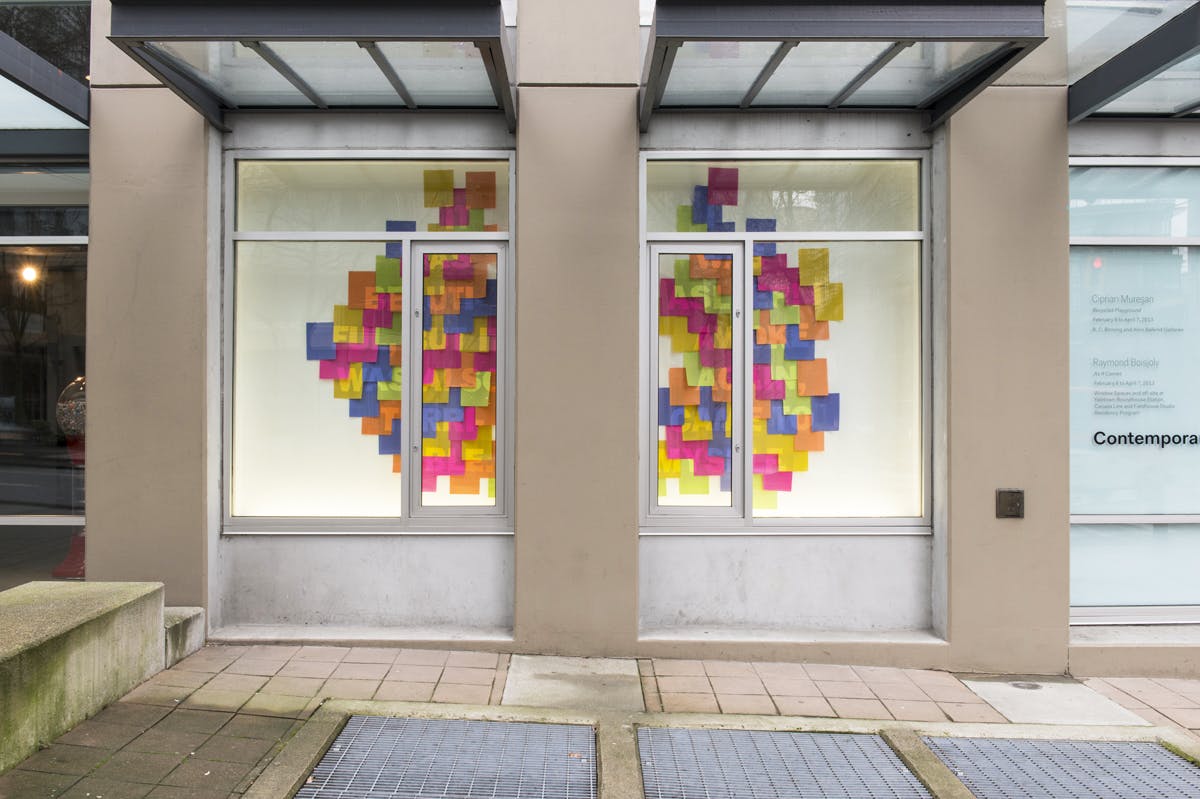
{"x": 722, "y": 186}
{"x": 764, "y": 387}
{"x": 427, "y": 373}
{"x": 766, "y": 464}
{"x": 428, "y": 482}
{"x": 674, "y": 441}
{"x": 460, "y": 198}
{"x": 779, "y": 481}
{"x": 708, "y": 466}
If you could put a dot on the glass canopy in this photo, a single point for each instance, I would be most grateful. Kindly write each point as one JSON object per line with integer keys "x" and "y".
{"x": 1137, "y": 58}
{"x": 862, "y": 55}
{"x": 222, "y": 56}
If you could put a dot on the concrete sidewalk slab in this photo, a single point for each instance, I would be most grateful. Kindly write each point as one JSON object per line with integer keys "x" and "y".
{"x": 585, "y": 683}
{"x": 1051, "y": 702}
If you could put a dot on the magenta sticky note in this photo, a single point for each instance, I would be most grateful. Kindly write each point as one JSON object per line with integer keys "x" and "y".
{"x": 428, "y": 482}
{"x": 722, "y": 185}
{"x": 779, "y": 481}
{"x": 764, "y": 386}
{"x": 708, "y": 466}
{"x": 485, "y": 362}
{"x": 460, "y": 199}
{"x": 427, "y": 374}
{"x": 766, "y": 464}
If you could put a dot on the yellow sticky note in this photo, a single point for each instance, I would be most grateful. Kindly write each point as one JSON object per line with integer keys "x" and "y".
{"x": 347, "y": 334}
{"x": 345, "y": 315}
{"x": 764, "y": 499}
{"x": 435, "y": 338}
{"x": 667, "y": 466}
{"x": 350, "y": 388}
{"x": 695, "y": 428}
{"x": 814, "y": 265}
{"x": 437, "y": 391}
{"x": 690, "y": 484}
{"x": 828, "y": 301}
{"x": 439, "y": 188}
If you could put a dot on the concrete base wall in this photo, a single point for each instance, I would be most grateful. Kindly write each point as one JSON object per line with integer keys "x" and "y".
{"x": 69, "y": 649}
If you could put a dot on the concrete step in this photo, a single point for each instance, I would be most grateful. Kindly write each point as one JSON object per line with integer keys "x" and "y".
{"x": 68, "y": 649}
{"x": 184, "y": 633}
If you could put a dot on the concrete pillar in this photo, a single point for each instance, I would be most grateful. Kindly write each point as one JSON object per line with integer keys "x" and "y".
{"x": 577, "y": 327}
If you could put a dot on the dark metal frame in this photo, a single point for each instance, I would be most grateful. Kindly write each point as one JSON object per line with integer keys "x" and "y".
{"x": 258, "y": 23}
{"x": 1175, "y": 41}
{"x": 44, "y": 145}
{"x": 1017, "y": 23}
{"x": 39, "y": 77}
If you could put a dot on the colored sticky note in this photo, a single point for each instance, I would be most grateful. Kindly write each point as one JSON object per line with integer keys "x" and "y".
{"x": 828, "y": 302}
{"x": 387, "y": 275}
{"x": 826, "y": 413}
{"x": 814, "y": 265}
{"x": 319, "y": 346}
{"x": 722, "y": 185}
{"x": 481, "y": 392}
{"x": 400, "y": 226}
{"x": 439, "y": 188}
{"x": 760, "y": 225}
{"x": 812, "y": 379}
{"x": 683, "y": 221}
{"x": 481, "y": 190}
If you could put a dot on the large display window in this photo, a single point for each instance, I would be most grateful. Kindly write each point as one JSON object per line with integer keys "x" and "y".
{"x": 370, "y": 354}
{"x": 787, "y": 363}
{"x": 1135, "y": 395}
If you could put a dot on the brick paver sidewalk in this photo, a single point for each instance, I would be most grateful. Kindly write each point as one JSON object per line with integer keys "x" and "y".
{"x": 206, "y": 728}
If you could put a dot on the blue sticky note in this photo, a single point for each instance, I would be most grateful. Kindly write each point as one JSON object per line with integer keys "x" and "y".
{"x": 320, "y": 341}
{"x": 400, "y": 225}
{"x": 762, "y": 352}
{"x": 704, "y": 409}
{"x": 430, "y": 416}
{"x": 760, "y": 225}
{"x": 780, "y": 423}
{"x": 391, "y": 444}
{"x": 722, "y": 448}
{"x": 720, "y": 411}
{"x": 458, "y": 323}
{"x": 668, "y": 414}
{"x": 455, "y": 403}
{"x": 381, "y": 370}
{"x": 368, "y": 406}
{"x": 796, "y": 348}
{"x": 394, "y": 249}
{"x": 721, "y": 227}
{"x": 763, "y": 301}
{"x": 764, "y": 248}
{"x": 713, "y": 215}
{"x": 699, "y": 205}
{"x": 826, "y": 413}
{"x": 426, "y": 314}
{"x": 727, "y": 479}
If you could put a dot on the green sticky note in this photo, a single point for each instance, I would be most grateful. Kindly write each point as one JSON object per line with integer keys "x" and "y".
{"x": 796, "y": 406}
{"x": 689, "y": 483}
{"x": 785, "y": 370}
{"x": 480, "y": 395}
{"x": 475, "y": 219}
{"x": 698, "y": 375}
{"x": 387, "y": 335}
{"x": 389, "y": 391}
{"x": 683, "y": 221}
{"x": 387, "y": 274}
{"x": 782, "y": 313}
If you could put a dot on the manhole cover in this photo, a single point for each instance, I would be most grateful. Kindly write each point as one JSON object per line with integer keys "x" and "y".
{"x": 996, "y": 768}
{"x": 744, "y": 764}
{"x": 455, "y": 759}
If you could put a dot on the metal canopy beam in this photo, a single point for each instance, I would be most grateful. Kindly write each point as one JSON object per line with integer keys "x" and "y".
{"x": 257, "y": 23}
{"x": 283, "y": 68}
{"x": 44, "y": 145}
{"x": 883, "y": 20}
{"x": 767, "y": 71}
{"x": 871, "y": 71}
{"x": 389, "y": 72}
{"x": 195, "y": 94}
{"x": 1176, "y": 41}
{"x": 450, "y": 20}
{"x": 1016, "y": 23}
{"x": 35, "y": 74}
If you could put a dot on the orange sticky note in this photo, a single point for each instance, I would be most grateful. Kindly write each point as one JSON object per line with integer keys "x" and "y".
{"x": 681, "y": 392}
{"x": 806, "y": 439}
{"x": 722, "y": 388}
{"x": 810, "y": 328}
{"x": 481, "y": 191}
{"x": 362, "y": 290}
{"x": 812, "y": 378}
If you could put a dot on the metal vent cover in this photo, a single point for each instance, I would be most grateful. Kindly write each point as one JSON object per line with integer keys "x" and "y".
{"x": 752, "y": 764}
{"x": 409, "y": 758}
{"x": 1000, "y": 768}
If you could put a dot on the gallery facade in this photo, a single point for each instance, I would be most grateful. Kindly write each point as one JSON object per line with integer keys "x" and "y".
{"x": 849, "y": 333}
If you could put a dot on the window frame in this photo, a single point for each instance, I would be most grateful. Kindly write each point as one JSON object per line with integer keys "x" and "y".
{"x": 47, "y": 520}
{"x": 700, "y": 521}
{"x": 414, "y": 519}
{"x": 1089, "y": 615}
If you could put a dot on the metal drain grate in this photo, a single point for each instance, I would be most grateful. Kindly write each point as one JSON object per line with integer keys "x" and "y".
{"x": 743, "y": 764}
{"x": 995, "y": 768}
{"x": 406, "y": 758}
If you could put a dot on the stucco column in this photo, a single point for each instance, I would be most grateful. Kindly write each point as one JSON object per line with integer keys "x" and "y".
{"x": 577, "y": 327}
{"x": 146, "y": 351}
{"x": 1007, "y": 416}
